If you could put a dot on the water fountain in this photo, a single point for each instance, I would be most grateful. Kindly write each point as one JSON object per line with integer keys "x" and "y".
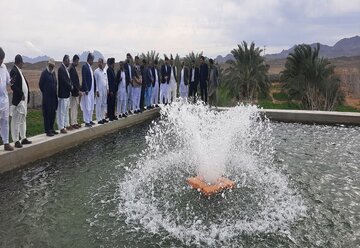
{"x": 193, "y": 139}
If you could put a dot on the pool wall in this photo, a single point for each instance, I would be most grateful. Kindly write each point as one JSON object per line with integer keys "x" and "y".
{"x": 44, "y": 146}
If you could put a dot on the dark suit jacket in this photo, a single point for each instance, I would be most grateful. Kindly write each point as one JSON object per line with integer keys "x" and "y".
{"x": 113, "y": 85}
{"x": 86, "y": 79}
{"x": 204, "y": 73}
{"x": 48, "y": 87}
{"x": 65, "y": 85}
{"x": 75, "y": 81}
{"x": 165, "y": 71}
{"x": 186, "y": 75}
{"x": 127, "y": 78}
{"x": 196, "y": 76}
{"x": 17, "y": 86}
{"x": 127, "y": 71}
{"x": 175, "y": 72}
{"x": 148, "y": 77}
{"x": 153, "y": 69}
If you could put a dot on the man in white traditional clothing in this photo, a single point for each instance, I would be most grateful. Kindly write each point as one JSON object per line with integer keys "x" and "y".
{"x": 173, "y": 84}
{"x": 64, "y": 92}
{"x": 75, "y": 93}
{"x": 88, "y": 88}
{"x": 102, "y": 89}
{"x": 184, "y": 81}
{"x": 122, "y": 91}
{"x": 155, "y": 85}
{"x": 4, "y": 103}
{"x": 165, "y": 80}
{"x": 18, "y": 109}
{"x": 136, "y": 89}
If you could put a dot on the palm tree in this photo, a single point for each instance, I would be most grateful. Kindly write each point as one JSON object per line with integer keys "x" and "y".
{"x": 193, "y": 56}
{"x": 150, "y": 56}
{"x": 246, "y": 77}
{"x": 311, "y": 79}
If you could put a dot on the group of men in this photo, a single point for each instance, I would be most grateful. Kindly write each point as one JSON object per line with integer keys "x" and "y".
{"x": 136, "y": 86}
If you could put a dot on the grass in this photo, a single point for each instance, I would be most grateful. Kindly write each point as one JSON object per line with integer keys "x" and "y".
{"x": 280, "y": 96}
{"x": 34, "y": 122}
{"x": 346, "y": 108}
{"x": 268, "y": 104}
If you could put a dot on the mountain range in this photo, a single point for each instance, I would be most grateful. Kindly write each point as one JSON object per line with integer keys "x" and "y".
{"x": 83, "y": 57}
{"x": 346, "y": 47}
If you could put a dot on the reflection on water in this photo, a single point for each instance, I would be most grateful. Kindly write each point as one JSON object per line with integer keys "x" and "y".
{"x": 109, "y": 192}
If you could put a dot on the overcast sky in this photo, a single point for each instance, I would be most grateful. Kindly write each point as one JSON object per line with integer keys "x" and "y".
{"x": 115, "y": 27}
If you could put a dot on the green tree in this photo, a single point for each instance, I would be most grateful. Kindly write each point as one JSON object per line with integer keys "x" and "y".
{"x": 311, "y": 79}
{"x": 193, "y": 56}
{"x": 150, "y": 56}
{"x": 245, "y": 77}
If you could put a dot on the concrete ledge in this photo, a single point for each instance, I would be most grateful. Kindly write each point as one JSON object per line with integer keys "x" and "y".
{"x": 44, "y": 146}
{"x": 313, "y": 117}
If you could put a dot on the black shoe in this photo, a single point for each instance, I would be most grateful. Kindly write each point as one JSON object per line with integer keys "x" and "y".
{"x": 156, "y": 106}
{"x": 100, "y": 122}
{"x": 105, "y": 121}
{"x": 18, "y": 144}
{"x": 115, "y": 118}
{"x": 88, "y": 125}
{"x": 120, "y": 116}
{"x": 50, "y": 134}
{"x": 54, "y": 132}
{"x": 26, "y": 142}
{"x": 92, "y": 123}
{"x": 148, "y": 107}
{"x": 124, "y": 115}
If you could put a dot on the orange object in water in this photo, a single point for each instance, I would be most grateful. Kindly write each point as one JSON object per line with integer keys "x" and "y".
{"x": 208, "y": 190}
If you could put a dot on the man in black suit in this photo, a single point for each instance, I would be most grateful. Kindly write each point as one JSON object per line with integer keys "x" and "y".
{"x": 203, "y": 77}
{"x": 18, "y": 109}
{"x": 194, "y": 81}
{"x": 113, "y": 88}
{"x": 48, "y": 87}
{"x": 165, "y": 80}
{"x": 184, "y": 81}
{"x": 155, "y": 84}
{"x": 75, "y": 93}
{"x": 130, "y": 70}
{"x": 64, "y": 91}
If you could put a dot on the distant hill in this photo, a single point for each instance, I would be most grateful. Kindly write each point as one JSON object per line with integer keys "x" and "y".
{"x": 347, "y": 47}
{"x": 220, "y": 59}
{"x": 97, "y": 55}
{"x": 36, "y": 59}
{"x": 83, "y": 57}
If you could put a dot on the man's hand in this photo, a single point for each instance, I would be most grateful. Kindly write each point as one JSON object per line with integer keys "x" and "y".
{"x": 12, "y": 80}
{"x": 97, "y": 94}
{"x": 86, "y": 92}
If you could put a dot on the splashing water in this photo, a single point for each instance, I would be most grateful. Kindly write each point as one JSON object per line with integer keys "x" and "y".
{"x": 194, "y": 139}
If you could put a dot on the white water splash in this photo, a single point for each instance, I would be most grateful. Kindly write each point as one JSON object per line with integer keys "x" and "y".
{"x": 193, "y": 139}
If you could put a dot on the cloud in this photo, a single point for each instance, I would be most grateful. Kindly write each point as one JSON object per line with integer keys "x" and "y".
{"x": 32, "y": 49}
{"x": 214, "y": 27}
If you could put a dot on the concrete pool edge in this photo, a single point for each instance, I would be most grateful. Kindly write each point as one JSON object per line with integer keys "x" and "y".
{"x": 43, "y": 146}
{"x": 310, "y": 116}
{"x": 313, "y": 117}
